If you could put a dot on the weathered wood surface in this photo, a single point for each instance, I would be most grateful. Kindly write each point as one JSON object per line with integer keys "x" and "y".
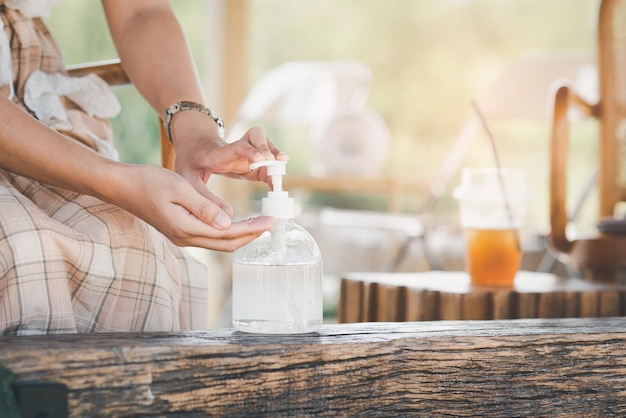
{"x": 558, "y": 367}
{"x": 449, "y": 295}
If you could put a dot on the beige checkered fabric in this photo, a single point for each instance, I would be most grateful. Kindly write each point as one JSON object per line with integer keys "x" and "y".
{"x": 72, "y": 263}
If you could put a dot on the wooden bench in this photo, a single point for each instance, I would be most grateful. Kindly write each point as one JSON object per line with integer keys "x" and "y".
{"x": 571, "y": 367}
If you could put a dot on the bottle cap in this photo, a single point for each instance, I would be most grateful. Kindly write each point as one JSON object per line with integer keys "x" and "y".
{"x": 277, "y": 204}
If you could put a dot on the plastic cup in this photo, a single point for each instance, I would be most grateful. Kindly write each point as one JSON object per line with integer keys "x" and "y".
{"x": 492, "y": 221}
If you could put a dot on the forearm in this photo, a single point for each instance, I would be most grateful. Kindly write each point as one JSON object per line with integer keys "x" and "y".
{"x": 31, "y": 149}
{"x": 155, "y": 54}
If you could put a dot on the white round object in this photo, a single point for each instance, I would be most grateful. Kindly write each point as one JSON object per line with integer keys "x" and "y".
{"x": 354, "y": 143}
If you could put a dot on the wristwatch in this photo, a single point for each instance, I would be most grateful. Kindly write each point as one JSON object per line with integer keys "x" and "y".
{"x": 187, "y": 105}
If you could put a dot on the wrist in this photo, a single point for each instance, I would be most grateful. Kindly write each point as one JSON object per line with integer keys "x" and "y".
{"x": 177, "y": 110}
{"x": 191, "y": 128}
{"x": 109, "y": 181}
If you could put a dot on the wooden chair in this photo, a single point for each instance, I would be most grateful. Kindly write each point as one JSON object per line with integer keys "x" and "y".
{"x": 601, "y": 257}
{"x": 113, "y": 73}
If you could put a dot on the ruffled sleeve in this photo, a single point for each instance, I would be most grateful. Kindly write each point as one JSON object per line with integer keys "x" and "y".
{"x": 32, "y": 74}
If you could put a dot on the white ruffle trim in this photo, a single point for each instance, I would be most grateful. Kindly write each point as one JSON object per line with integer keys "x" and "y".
{"x": 42, "y": 95}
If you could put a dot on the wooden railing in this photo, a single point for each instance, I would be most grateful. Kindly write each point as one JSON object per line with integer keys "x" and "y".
{"x": 553, "y": 367}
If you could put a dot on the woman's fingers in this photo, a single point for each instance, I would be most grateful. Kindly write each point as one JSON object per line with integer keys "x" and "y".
{"x": 199, "y": 234}
{"x": 202, "y": 188}
{"x": 259, "y": 142}
{"x": 276, "y": 151}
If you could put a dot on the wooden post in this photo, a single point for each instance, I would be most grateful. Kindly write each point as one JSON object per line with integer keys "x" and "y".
{"x": 235, "y": 57}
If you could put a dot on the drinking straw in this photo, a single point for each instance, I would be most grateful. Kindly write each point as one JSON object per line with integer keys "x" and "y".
{"x": 494, "y": 148}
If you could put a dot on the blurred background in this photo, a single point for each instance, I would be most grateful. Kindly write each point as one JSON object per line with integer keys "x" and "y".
{"x": 422, "y": 63}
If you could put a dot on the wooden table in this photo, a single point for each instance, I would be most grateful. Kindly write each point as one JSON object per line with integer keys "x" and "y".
{"x": 439, "y": 295}
{"x": 557, "y": 367}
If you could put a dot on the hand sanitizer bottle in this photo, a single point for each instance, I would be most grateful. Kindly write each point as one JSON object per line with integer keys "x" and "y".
{"x": 277, "y": 278}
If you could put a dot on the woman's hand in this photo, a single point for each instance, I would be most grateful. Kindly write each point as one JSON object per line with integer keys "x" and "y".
{"x": 187, "y": 217}
{"x": 199, "y": 154}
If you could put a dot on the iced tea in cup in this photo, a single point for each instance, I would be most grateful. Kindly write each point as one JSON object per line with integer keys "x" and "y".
{"x": 492, "y": 223}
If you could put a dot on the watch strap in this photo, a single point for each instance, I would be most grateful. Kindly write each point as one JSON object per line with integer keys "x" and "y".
{"x": 187, "y": 105}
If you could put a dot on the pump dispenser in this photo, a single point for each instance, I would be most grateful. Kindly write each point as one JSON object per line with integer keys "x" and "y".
{"x": 277, "y": 204}
{"x": 277, "y": 278}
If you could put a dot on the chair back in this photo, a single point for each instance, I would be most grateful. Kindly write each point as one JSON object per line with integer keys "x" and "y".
{"x": 600, "y": 256}
{"x": 612, "y": 111}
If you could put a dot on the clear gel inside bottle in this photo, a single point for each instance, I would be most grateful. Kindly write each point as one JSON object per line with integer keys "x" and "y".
{"x": 277, "y": 278}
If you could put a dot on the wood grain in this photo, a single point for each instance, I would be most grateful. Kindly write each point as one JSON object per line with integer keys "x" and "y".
{"x": 562, "y": 367}
{"x": 449, "y": 295}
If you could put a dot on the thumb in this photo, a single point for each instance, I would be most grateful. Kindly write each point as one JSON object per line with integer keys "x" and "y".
{"x": 215, "y": 214}
{"x": 202, "y": 188}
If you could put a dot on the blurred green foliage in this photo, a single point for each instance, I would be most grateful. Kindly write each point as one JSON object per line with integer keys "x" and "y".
{"x": 429, "y": 59}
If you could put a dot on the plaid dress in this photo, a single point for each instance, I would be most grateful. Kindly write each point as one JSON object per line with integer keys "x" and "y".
{"x": 70, "y": 262}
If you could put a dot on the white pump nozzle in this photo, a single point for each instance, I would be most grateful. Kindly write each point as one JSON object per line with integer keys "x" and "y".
{"x": 277, "y": 203}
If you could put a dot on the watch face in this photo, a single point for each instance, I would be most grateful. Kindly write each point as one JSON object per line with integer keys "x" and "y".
{"x": 191, "y": 105}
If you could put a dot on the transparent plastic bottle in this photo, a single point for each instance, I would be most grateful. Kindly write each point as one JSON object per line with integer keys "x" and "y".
{"x": 277, "y": 278}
